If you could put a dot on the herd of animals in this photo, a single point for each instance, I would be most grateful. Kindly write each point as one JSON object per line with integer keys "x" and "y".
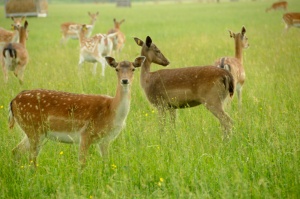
{"x": 98, "y": 119}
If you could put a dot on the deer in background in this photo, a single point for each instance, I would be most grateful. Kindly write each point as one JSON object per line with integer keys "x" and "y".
{"x": 68, "y": 32}
{"x": 73, "y": 118}
{"x": 235, "y": 64}
{"x": 15, "y": 55}
{"x": 278, "y": 5}
{"x": 291, "y": 19}
{"x": 93, "y": 49}
{"x": 119, "y": 40}
{"x": 7, "y": 36}
{"x": 171, "y": 89}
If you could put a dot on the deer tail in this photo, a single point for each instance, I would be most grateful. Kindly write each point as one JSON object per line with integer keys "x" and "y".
{"x": 229, "y": 83}
{"x": 9, "y": 51}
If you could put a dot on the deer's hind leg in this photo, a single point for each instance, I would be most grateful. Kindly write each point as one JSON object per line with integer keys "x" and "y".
{"x": 225, "y": 120}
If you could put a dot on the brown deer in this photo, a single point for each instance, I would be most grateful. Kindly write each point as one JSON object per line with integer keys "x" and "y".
{"x": 119, "y": 40}
{"x": 235, "y": 64}
{"x": 73, "y": 118}
{"x": 171, "y": 89}
{"x": 291, "y": 19}
{"x": 7, "y": 36}
{"x": 15, "y": 55}
{"x": 278, "y": 5}
{"x": 68, "y": 32}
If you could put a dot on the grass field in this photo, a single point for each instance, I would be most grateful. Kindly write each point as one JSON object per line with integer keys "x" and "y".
{"x": 260, "y": 160}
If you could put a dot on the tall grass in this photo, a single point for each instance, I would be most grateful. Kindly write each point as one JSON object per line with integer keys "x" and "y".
{"x": 261, "y": 159}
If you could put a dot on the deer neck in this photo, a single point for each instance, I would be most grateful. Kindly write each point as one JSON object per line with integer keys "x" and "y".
{"x": 121, "y": 104}
{"x": 238, "y": 49}
{"x": 23, "y": 36}
{"x": 145, "y": 70}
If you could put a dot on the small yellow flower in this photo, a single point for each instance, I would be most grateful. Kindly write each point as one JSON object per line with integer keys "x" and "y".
{"x": 153, "y": 111}
{"x": 161, "y": 179}
{"x": 146, "y": 114}
{"x": 22, "y": 167}
{"x": 113, "y": 166}
{"x": 1, "y": 107}
{"x": 91, "y": 196}
{"x": 61, "y": 153}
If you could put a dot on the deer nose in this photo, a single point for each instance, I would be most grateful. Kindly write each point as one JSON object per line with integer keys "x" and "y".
{"x": 125, "y": 81}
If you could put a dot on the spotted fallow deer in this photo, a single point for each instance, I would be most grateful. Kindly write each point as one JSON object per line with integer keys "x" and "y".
{"x": 73, "y": 118}
{"x": 93, "y": 49}
{"x": 7, "y": 36}
{"x": 68, "y": 32}
{"x": 15, "y": 55}
{"x": 171, "y": 89}
{"x": 291, "y": 19}
{"x": 235, "y": 64}
{"x": 119, "y": 40}
{"x": 278, "y": 5}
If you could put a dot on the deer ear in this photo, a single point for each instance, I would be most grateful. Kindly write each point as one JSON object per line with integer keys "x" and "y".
{"x": 138, "y": 41}
{"x": 148, "y": 41}
{"x": 243, "y": 30}
{"x": 231, "y": 34}
{"x": 26, "y": 24}
{"x": 111, "y": 61}
{"x": 139, "y": 61}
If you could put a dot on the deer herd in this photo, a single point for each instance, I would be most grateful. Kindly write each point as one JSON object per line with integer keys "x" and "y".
{"x": 88, "y": 119}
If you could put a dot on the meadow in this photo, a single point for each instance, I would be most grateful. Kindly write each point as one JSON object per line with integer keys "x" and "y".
{"x": 260, "y": 160}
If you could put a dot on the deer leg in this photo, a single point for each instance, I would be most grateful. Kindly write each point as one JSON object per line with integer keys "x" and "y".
{"x": 95, "y": 68}
{"x": 22, "y": 147}
{"x": 103, "y": 66}
{"x": 224, "y": 119}
{"x": 239, "y": 94}
{"x": 83, "y": 150}
{"x": 104, "y": 148}
{"x": 20, "y": 73}
{"x": 35, "y": 146}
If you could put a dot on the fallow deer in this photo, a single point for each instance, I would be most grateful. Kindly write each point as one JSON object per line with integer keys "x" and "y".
{"x": 171, "y": 89}
{"x": 235, "y": 64}
{"x": 119, "y": 40}
{"x": 93, "y": 49}
{"x": 7, "y": 36}
{"x": 291, "y": 19}
{"x": 278, "y": 5}
{"x": 15, "y": 55}
{"x": 68, "y": 32}
{"x": 73, "y": 118}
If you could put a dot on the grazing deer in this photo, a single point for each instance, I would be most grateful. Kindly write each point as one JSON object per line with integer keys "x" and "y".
{"x": 119, "y": 40}
{"x": 278, "y": 5}
{"x": 68, "y": 32}
{"x": 93, "y": 49}
{"x": 15, "y": 55}
{"x": 171, "y": 89}
{"x": 73, "y": 118}
{"x": 235, "y": 64}
{"x": 291, "y": 19}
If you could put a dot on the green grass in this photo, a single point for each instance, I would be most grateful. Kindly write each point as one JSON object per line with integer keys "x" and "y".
{"x": 261, "y": 159}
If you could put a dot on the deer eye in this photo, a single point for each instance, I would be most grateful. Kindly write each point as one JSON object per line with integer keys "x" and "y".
{"x": 133, "y": 69}
{"x": 117, "y": 70}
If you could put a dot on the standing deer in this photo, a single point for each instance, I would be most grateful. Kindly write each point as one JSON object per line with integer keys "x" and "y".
{"x": 93, "y": 49}
{"x": 68, "y": 32}
{"x": 171, "y": 89}
{"x": 15, "y": 55}
{"x": 7, "y": 36}
{"x": 235, "y": 64}
{"x": 73, "y": 118}
{"x": 119, "y": 40}
{"x": 278, "y": 5}
{"x": 291, "y": 19}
